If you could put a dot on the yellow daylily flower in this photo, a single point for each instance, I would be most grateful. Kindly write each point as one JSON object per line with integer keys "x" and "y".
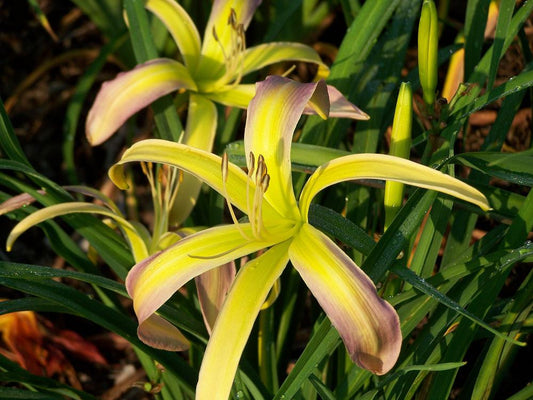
{"x": 211, "y": 71}
{"x": 368, "y": 325}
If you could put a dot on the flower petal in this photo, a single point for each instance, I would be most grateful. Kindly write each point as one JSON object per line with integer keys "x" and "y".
{"x": 235, "y": 322}
{"x": 340, "y": 107}
{"x": 262, "y": 55}
{"x": 202, "y": 164}
{"x": 237, "y": 96}
{"x": 161, "y": 334}
{"x": 272, "y": 117}
{"x": 131, "y": 91}
{"x": 135, "y": 239}
{"x": 199, "y": 133}
{"x": 368, "y": 325}
{"x": 380, "y": 166}
{"x": 212, "y": 287}
{"x": 181, "y": 27}
{"x": 212, "y": 60}
{"x": 18, "y": 201}
{"x": 152, "y": 282}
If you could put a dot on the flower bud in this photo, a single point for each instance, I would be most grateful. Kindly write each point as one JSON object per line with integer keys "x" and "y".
{"x": 400, "y": 147}
{"x": 455, "y": 74}
{"x": 427, "y": 50}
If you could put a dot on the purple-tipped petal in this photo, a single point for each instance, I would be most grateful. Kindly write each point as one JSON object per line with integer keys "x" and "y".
{"x": 16, "y": 202}
{"x": 157, "y": 332}
{"x": 131, "y": 91}
{"x": 212, "y": 287}
{"x": 340, "y": 107}
{"x": 272, "y": 118}
{"x": 367, "y": 324}
{"x": 151, "y": 282}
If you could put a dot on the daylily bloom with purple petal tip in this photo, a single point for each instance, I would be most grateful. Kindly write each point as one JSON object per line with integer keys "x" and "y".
{"x": 368, "y": 325}
{"x": 211, "y": 71}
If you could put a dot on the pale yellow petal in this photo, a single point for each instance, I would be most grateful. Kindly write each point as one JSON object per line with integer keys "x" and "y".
{"x": 153, "y": 281}
{"x": 380, "y": 166}
{"x": 202, "y": 164}
{"x": 272, "y": 118}
{"x": 181, "y": 27}
{"x": 265, "y": 54}
{"x": 235, "y": 322}
{"x": 235, "y": 96}
{"x": 368, "y": 325}
{"x": 138, "y": 246}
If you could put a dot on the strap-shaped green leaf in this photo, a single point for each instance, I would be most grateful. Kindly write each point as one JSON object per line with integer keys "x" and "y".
{"x": 324, "y": 340}
{"x": 512, "y": 167}
{"x": 48, "y": 388}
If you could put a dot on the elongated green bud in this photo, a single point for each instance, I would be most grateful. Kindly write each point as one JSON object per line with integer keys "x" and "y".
{"x": 428, "y": 38}
{"x": 400, "y": 146}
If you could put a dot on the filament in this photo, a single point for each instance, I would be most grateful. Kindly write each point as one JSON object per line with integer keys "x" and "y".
{"x": 224, "y": 167}
{"x": 233, "y": 59}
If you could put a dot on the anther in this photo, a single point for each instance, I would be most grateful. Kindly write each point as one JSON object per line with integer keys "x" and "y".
{"x": 161, "y": 175}
{"x": 265, "y": 181}
{"x": 224, "y": 166}
{"x": 261, "y": 169}
{"x": 251, "y": 162}
{"x": 232, "y": 19}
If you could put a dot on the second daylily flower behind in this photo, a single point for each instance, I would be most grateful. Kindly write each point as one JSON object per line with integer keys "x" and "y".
{"x": 211, "y": 72}
{"x": 368, "y": 325}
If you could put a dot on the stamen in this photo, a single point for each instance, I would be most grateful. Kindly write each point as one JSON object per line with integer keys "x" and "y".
{"x": 148, "y": 170}
{"x": 176, "y": 179}
{"x": 256, "y": 211}
{"x": 215, "y": 36}
{"x": 286, "y": 73}
{"x": 261, "y": 167}
{"x": 265, "y": 182}
{"x": 161, "y": 174}
{"x": 232, "y": 18}
{"x": 251, "y": 162}
{"x": 224, "y": 167}
{"x": 233, "y": 57}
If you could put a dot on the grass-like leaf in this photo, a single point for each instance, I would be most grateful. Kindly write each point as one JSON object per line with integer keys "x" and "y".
{"x": 512, "y": 167}
{"x": 49, "y": 388}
